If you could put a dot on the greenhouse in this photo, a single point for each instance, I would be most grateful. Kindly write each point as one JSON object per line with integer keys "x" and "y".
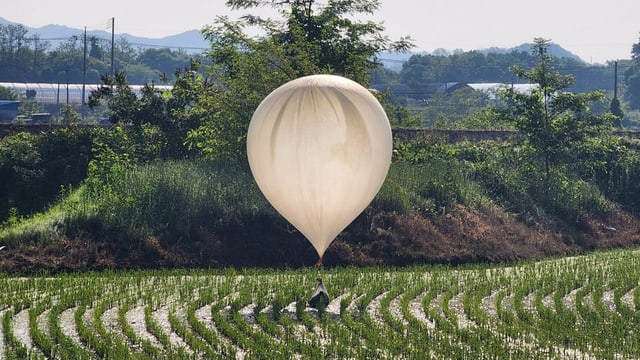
{"x": 51, "y": 93}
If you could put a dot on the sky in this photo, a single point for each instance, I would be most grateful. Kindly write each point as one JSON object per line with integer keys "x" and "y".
{"x": 596, "y": 31}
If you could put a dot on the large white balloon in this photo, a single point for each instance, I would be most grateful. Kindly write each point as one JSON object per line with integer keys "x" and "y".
{"x": 319, "y": 148}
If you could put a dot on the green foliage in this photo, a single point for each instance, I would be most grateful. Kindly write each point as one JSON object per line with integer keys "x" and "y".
{"x": 173, "y": 199}
{"x": 21, "y": 170}
{"x": 8, "y": 94}
{"x": 557, "y": 124}
{"x": 570, "y": 198}
{"x": 158, "y": 120}
{"x": 632, "y": 78}
{"x": 29, "y": 106}
{"x": 309, "y": 38}
{"x": 616, "y": 109}
{"x": 399, "y": 114}
{"x": 633, "y": 91}
{"x": 433, "y": 176}
{"x": 620, "y": 181}
{"x": 33, "y": 168}
{"x": 449, "y": 110}
{"x": 68, "y": 115}
{"x": 487, "y": 118}
{"x": 519, "y": 186}
{"x": 118, "y": 97}
{"x": 492, "y": 67}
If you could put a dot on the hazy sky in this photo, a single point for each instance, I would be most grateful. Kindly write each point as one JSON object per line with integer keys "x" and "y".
{"x": 596, "y": 31}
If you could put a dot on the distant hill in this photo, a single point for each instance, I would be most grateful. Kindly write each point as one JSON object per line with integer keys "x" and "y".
{"x": 394, "y": 61}
{"x": 555, "y": 50}
{"x": 190, "y": 41}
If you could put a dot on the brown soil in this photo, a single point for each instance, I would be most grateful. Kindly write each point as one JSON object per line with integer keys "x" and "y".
{"x": 485, "y": 234}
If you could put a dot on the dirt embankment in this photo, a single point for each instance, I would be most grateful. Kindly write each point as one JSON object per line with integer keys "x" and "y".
{"x": 486, "y": 234}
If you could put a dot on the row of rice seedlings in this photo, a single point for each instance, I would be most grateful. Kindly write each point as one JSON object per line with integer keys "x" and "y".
{"x": 336, "y": 339}
{"x": 267, "y": 305}
{"x": 391, "y": 329}
{"x": 531, "y": 323}
{"x": 270, "y": 317}
{"x": 66, "y": 348}
{"x": 199, "y": 346}
{"x": 371, "y": 331}
{"x": 602, "y": 319}
{"x": 481, "y": 332}
{"x": 14, "y": 349}
{"x": 517, "y": 331}
{"x": 212, "y": 335}
{"x": 406, "y": 342}
{"x": 171, "y": 291}
{"x": 471, "y": 340}
{"x": 621, "y": 331}
{"x": 41, "y": 338}
{"x": 134, "y": 338}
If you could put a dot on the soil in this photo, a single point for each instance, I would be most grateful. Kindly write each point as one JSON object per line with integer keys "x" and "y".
{"x": 461, "y": 235}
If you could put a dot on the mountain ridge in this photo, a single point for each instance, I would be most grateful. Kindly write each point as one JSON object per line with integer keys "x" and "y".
{"x": 192, "y": 41}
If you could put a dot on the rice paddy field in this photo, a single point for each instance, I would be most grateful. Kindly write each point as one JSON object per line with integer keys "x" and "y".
{"x": 585, "y": 307}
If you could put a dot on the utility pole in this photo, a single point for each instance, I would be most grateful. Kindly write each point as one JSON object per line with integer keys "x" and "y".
{"x": 113, "y": 26}
{"x": 35, "y": 55}
{"x": 615, "y": 79}
{"x": 84, "y": 65}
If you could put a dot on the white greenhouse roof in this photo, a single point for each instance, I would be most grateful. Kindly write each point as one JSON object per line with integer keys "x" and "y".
{"x": 49, "y": 93}
{"x": 493, "y": 87}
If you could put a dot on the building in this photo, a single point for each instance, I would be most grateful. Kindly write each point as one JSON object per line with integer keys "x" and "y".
{"x": 8, "y": 110}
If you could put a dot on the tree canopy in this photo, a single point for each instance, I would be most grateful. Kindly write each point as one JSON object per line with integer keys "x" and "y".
{"x": 309, "y": 38}
{"x": 559, "y": 125}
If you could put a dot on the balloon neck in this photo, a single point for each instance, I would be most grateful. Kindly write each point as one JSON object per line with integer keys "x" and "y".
{"x": 319, "y": 263}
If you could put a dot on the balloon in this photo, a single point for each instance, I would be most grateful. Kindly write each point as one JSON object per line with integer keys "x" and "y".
{"x": 319, "y": 148}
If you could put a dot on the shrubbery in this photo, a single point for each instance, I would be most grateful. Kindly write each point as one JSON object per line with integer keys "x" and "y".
{"x": 34, "y": 168}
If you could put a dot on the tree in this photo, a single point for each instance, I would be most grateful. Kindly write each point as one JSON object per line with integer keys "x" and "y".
{"x": 116, "y": 94}
{"x": 158, "y": 120}
{"x": 633, "y": 78}
{"x": 7, "y": 93}
{"x": 616, "y": 109}
{"x": 633, "y": 89}
{"x": 68, "y": 115}
{"x": 165, "y": 61}
{"x": 95, "y": 50}
{"x": 13, "y": 62}
{"x": 559, "y": 126}
{"x": 635, "y": 51}
{"x": 309, "y": 38}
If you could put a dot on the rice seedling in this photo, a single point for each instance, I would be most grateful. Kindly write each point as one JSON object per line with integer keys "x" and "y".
{"x": 582, "y": 307}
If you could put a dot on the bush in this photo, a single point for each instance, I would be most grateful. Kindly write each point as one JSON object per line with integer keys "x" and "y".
{"x": 621, "y": 183}
{"x": 34, "y": 168}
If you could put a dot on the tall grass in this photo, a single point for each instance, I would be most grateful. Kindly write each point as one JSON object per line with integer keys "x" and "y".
{"x": 178, "y": 198}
